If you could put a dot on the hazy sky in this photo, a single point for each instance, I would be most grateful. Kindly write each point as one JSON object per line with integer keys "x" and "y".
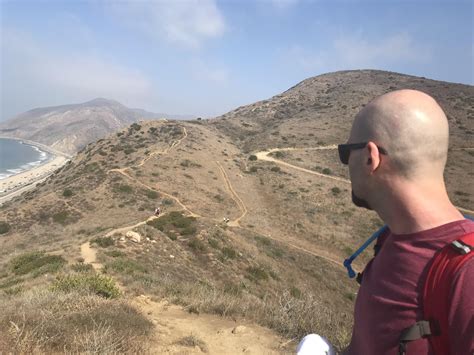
{"x": 206, "y": 57}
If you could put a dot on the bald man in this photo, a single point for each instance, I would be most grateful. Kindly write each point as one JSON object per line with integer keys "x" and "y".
{"x": 396, "y": 154}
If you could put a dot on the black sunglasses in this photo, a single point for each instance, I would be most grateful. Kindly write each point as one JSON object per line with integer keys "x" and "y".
{"x": 345, "y": 150}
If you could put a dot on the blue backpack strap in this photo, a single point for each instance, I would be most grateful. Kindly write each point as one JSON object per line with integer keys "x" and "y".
{"x": 349, "y": 260}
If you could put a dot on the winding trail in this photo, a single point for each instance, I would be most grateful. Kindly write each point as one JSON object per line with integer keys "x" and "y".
{"x": 166, "y": 151}
{"x": 129, "y": 228}
{"x": 265, "y": 157}
{"x": 235, "y": 197}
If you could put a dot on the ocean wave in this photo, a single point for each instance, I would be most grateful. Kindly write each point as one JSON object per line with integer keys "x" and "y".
{"x": 21, "y": 169}
{"x": 43, "y": 158}
{"x": 15, "y": 171}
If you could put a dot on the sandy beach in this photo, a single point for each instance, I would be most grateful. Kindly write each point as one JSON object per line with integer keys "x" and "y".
{"x": 17, "y": 184}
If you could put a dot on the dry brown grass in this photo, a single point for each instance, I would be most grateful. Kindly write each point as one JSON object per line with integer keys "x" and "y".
{"x": 292, "y": 317}
{"x": 42, "y": 321}
{"x": 193, "y": 341}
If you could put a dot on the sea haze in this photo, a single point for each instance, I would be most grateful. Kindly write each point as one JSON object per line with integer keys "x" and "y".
{"x": 16, "y": 157}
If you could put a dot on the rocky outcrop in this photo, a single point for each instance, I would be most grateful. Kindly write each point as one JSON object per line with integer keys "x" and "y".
{"x": 134, "y": 236}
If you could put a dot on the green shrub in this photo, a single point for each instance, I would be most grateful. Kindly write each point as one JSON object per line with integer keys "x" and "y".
{"x": 115, "y": 253}
{"x": 136, "y": 126}
{"x": 11, "y": 282}
{"x": 67, "y": 193}
{"x": 336, "y": 191}
{"x": 97, "y": 284}
{"x": 190, "y": 230}
{"x": 172, "y": 221}
{"x": 327, "y": 171}
{"x": 103, "y": 242}
{"x": 263, "y": 240}
{"x": 253, "y": 169}
{"x": 171, "y": 235}
{"x": 4, "y": 227}
{"x": 61, "y": 217}
{"x": 229, "y": 253}
{"x": 36, "y": 262}
{"x": 196, "y": 244}
{"x": 213, "y": 243}
{"x": 257, "y": 273}
{"x": 81, "y": 267}
{"x": 124, "y": 189}
{"x": 295, "y": 292}
{"x": 126, "y": 266}
{"x": 152, "y": 194}
{"x": 275, "y": 169}
{"x": 13, "y": 291}
{"x": 219, "y": 198}
{"x": 252, "y": 157}
{"x": 279, "y": 154}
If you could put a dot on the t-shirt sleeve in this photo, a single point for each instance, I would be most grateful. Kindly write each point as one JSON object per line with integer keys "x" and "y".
{"x": 461, "y": 314}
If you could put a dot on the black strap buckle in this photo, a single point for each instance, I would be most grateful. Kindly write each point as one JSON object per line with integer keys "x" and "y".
{"x": 417, "y": 331}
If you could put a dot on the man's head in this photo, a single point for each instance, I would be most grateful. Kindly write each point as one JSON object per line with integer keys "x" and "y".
{"x": 406, "y": 141}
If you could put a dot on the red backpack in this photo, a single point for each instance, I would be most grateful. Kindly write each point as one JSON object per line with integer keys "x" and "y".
{"x": 444, "y": 266}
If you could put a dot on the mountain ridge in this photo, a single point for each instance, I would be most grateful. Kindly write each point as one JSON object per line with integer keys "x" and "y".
{"x": 68, "y": 128}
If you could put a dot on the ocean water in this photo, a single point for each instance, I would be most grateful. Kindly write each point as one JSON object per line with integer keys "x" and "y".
{"x": 16, "y": 157}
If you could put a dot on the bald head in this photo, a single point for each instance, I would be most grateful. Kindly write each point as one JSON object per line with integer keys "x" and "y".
{"x": 411, "y": 126}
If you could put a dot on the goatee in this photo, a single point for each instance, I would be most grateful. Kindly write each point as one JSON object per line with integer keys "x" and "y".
{"x": 360, "y": 202}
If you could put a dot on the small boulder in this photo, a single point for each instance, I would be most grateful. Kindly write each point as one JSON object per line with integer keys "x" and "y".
{"x": 134, "y": 236}
{"x": 239, "y": 329}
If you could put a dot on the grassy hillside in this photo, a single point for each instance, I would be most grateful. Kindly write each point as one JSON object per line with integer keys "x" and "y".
{"x": 277, "y": 262}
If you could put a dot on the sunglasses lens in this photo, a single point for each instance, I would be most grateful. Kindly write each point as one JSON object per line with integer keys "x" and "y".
{"x": 343, "y": 154}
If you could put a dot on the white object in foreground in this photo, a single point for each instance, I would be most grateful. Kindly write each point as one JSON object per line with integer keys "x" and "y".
{"x": 314, "y": 344}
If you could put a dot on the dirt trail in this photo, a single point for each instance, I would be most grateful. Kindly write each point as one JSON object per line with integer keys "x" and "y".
{"x": 265, "y": 156}
{"x": 90, "y": 256}
{"x": 129, "y": 228}
{"x": 211, "y": 333}
{"x": 156, "y": 152}
{"x": 216, "y": 334}
{"x": 166, "y": 151}
{"x": 235, "y": 197}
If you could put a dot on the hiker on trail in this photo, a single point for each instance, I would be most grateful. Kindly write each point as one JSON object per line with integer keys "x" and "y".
{"x": 157, "y": 211}
{"x": 396, "y": 154}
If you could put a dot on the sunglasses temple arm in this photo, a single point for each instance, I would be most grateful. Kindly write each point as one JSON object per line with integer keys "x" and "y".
{"x": 347, "y": 263}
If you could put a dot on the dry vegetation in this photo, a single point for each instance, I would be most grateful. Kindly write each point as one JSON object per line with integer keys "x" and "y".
{"x": 279, "y": 265}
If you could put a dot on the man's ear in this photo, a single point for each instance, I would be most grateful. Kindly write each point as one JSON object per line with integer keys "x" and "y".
{"x": 372, "y": 156}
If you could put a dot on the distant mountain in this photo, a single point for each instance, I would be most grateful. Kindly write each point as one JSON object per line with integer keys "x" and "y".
{"x": 68, "y": 128}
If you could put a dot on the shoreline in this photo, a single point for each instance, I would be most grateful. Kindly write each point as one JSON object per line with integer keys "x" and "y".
{"x": 15, "y": 185}
{"x": 41, "y": 146}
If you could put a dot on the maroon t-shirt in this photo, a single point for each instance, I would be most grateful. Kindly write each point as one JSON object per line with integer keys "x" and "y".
{"x": 391, "y": 293}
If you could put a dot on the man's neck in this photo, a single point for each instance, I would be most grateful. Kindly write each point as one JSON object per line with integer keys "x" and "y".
{"x": 414, "y": 208}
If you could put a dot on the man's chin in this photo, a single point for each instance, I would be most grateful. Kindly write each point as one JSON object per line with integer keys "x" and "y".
{"x": 360, "y": 202}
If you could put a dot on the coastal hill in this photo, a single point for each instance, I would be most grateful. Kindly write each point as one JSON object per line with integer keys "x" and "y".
{"x": 256, "y": 218}
{"x": 69, "y": 128}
